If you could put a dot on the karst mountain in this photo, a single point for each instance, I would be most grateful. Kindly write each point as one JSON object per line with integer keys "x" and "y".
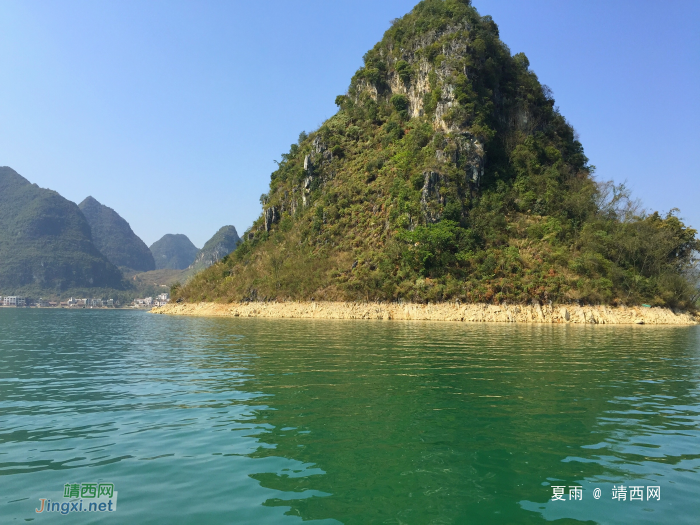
{"x": 449, "y": 174}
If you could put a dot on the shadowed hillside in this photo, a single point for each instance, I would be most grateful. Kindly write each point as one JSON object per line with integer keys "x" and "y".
{"x": 45, "y": 242}
{"x": 173, "y": 252}
{"x": 114, "y": 237}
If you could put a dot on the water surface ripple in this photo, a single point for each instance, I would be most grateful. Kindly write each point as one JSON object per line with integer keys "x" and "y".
{"x": 205, "y": 421}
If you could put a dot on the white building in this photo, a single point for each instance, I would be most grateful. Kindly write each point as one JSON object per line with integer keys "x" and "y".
{"x": 164, "y": 297}
{"x": 13, "y": 300}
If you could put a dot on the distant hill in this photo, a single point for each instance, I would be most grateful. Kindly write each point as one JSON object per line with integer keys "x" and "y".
{"x": 173, "y": 252}
{"x": 221, "y": 244}
{"x": 114, "y": 237}
{"x": 46, "y": 243}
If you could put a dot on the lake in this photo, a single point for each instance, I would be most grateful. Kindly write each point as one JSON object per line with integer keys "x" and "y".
{"x": 214, "y": 420}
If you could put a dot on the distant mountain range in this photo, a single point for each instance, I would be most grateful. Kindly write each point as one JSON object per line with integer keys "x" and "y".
{"x": 51, "y": 246}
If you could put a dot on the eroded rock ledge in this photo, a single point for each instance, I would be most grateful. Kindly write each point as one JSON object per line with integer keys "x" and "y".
{"x": 477, "y": 313}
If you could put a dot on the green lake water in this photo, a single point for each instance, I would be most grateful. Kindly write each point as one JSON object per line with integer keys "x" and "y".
{"x": 206, "y": 421}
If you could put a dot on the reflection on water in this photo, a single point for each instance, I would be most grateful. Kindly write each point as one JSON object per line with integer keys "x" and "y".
{"x": 279, "y": 421}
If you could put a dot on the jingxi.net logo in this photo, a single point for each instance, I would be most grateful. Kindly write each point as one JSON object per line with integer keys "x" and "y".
{"x": 82, "y": 497}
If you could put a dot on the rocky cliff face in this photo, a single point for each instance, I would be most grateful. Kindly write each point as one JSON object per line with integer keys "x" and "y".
{"x": 45, "y": 242}
{"x": 422, "y": 77}
{"x": 114, "y": 237}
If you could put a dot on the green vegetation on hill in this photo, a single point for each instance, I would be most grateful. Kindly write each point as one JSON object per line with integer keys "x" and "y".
{"x": 45, "y": 243}
{"x": 173, "y": 252}
{"x": 449, "y": 174}
{"x": 114, "y": 237}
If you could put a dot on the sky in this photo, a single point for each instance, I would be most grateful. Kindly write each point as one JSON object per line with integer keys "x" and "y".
{"x": 173, "y": 112}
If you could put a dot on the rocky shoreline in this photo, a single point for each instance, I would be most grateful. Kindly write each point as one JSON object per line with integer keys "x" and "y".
{"x": 477, "y": 313}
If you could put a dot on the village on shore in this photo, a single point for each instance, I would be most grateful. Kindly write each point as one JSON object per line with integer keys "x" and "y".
{"x": 16, "y": 301}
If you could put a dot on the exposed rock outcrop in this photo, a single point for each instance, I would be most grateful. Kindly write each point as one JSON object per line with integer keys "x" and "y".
{"x": 432, "y": 201}
{"x": 272, "y": 215}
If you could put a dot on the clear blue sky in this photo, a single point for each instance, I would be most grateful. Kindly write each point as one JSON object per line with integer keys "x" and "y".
{"x": 172, "y": 112}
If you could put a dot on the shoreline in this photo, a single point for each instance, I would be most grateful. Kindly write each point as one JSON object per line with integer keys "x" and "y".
{"x": 473, "y": 313}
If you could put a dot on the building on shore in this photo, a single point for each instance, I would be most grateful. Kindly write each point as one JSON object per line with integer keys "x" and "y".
{"x": 146, "y": 301}
{"x": 90, "y": 302}
{"x": 14, "y": 300}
